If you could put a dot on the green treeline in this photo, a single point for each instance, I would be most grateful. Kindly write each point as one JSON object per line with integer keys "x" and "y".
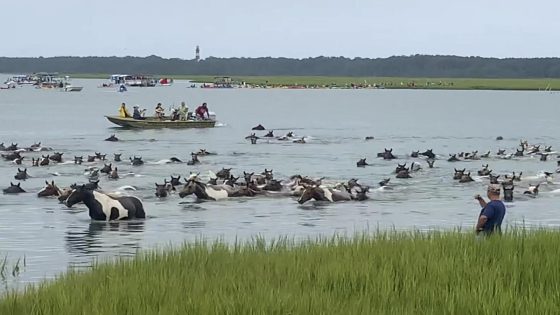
{"x": 396, "y": 66}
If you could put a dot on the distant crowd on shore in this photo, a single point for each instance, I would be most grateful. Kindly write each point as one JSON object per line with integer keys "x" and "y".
{"x": 352, "y": 85}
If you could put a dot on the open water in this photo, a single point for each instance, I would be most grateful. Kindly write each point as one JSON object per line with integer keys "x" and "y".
{"x": 53, "y": 238}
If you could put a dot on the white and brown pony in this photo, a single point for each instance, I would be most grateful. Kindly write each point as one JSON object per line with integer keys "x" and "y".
{"x": 323, "y": 194}
{"x": 104, "y": 207}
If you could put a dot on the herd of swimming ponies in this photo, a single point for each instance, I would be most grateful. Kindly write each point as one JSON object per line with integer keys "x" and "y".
{"x": 224, "y": 184}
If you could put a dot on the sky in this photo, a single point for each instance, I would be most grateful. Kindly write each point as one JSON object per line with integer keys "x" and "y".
{"x": 287, "y": 28}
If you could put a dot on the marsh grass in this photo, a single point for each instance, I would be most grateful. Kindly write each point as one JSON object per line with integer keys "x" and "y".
{"x": 383, "y": 273}
{"x": 13, "y": 269}
{"x": 397, "y": 82}
{"x": 386, "y": 82}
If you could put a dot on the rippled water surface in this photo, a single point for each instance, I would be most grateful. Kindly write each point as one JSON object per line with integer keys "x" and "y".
{"x": 334, "y": 122}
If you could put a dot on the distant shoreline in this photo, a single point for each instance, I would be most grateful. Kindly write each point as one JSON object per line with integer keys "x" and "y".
{"x": 324, "y": 82}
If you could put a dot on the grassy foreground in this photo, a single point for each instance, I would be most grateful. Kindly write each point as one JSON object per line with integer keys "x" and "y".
{"x": 410, "y": 273}
{"x": 386, "y": 82}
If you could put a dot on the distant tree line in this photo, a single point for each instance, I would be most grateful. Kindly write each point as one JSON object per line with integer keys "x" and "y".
{"x": 397, "y": 66}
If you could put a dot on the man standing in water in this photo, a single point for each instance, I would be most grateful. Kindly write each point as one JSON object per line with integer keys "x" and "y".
{"x": 492, "y": 213}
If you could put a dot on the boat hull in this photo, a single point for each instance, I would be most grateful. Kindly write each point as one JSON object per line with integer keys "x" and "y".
{"x": 72, "y": 88}
{"x": 152, "y": 122}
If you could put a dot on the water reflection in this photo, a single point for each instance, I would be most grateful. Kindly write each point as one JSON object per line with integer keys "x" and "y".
{"x": 194, "y": 224}
{"x": 103, "y": 239}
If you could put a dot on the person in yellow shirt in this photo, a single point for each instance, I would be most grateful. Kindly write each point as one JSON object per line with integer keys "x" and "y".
{"x": 123, "y": 112}
{"x": 183, "y": 111}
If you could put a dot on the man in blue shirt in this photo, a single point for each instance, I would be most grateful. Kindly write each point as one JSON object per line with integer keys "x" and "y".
{"x": 492, "y": 213}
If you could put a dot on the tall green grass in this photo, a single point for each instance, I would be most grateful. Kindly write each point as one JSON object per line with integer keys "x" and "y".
{"x": 386, "y": 273}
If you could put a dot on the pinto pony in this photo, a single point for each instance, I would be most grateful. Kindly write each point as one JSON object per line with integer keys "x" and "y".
{"x": 103, "y": 207}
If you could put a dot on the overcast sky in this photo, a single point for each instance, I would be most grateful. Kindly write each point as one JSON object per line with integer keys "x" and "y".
{"x": 287, "y": 28}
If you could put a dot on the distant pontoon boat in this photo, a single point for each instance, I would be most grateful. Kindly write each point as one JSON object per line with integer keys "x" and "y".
{"x": 134, "y": 80}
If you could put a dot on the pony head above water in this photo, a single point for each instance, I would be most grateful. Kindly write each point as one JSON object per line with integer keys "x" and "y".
{"x": 361, "y": 163}
{"x": 384, "y": 182}
{"x": 430, "y": 162}
{"x": 458, "y": 174}
{"x": 100, "y": 156}
{"x": 494, "y": 179}
{"x": 466, "y": 178}
{"x": 106, "y": 169}
{"x": 507, "y": 187}
{"x": 112, "y": 138}
{"x": 44, "y": 160}
{"x": 12, "y": 147}
{"x": 21, "y": 174}
{"x": 18, "y": 161}
{"x": 194, "y": 159}
{"x": 253, "y": 138}
{"x": 49, "y": 190}
{"x": 267, "y": 174}
{"x": 164, "y": 189}
{"x": 175, "y": 181}
{"x": 136, "y": 161}
{"x": 14, "y": 189}
{"x": 114, "y": 174}
{"x": 56, "y": 157}
{"x": 429, "y": 154}
{"x": 386, "y": 154}
{"x": 224, "y": 173}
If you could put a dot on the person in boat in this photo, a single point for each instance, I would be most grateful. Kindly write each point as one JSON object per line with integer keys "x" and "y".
{"x": 202, "y": 112}
{"x": 123, "y": 112}
{"x": 183, "y": 111}
{"x": 160, "y": 112}
{"x": 138, "y": 114}
{"x": 175, "y": 114}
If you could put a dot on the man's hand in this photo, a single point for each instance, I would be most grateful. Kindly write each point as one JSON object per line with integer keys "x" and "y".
{"x": 477, "y": 197}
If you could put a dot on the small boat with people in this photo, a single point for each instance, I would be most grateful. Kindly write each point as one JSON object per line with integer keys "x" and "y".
{"x": 179, "y": 118}
{"x": 155, "y": 122}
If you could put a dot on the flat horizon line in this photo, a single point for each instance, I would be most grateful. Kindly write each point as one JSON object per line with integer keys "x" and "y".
{"x": 280, "y": 57}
